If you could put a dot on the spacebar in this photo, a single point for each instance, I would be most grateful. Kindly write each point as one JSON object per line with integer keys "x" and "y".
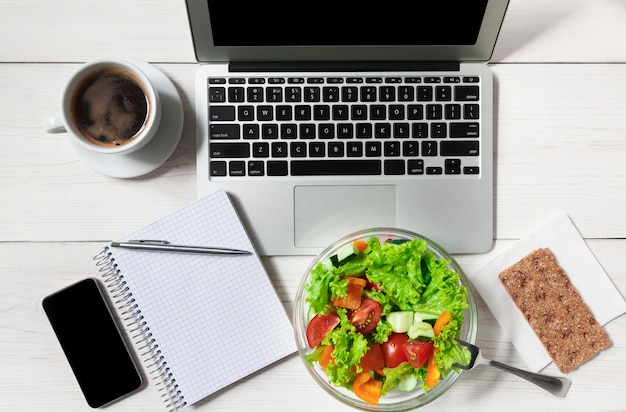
{"x": 335, "y": 167}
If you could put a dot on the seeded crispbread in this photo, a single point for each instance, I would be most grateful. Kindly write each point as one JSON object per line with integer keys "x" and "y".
{"x": 554, "y": 309}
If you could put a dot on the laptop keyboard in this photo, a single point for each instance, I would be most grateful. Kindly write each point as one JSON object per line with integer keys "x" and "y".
{"x": 348, "y": 126}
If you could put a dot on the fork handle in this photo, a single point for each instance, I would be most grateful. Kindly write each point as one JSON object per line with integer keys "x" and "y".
{"x": 553, "y": 384}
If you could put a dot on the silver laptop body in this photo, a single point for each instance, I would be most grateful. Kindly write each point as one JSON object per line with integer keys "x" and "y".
{"x": 296, "y": 206}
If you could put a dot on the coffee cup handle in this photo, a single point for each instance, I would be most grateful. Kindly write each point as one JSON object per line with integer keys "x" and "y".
{"x": 54, "y": 125}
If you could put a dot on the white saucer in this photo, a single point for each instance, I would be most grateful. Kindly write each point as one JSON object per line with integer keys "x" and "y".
{"x": 158, "y": 150}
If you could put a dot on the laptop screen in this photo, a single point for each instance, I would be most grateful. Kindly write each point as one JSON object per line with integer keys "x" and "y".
{"x": 345, "y": 30}
{"x": 346, "y": 22}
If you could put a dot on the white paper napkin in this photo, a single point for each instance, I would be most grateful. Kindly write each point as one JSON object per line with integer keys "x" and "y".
{"x": 584, "y": 271}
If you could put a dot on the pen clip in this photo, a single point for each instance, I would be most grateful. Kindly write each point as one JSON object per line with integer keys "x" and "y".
{"x": 149, "y": 242}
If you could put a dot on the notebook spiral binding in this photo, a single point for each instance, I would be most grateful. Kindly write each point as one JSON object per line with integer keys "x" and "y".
{"x": 139, "y": 330}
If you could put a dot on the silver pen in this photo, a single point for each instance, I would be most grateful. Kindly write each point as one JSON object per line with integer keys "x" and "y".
{"x": 165, "y": 246}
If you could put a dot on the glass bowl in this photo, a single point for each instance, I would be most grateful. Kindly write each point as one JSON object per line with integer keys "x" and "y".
{"x": 394, "y": 400}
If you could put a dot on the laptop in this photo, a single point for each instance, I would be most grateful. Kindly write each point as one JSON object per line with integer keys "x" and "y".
{"x": 324, "y": 118}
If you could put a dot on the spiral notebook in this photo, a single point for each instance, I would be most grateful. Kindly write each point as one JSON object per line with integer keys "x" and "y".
{"x": 192, "y": 311}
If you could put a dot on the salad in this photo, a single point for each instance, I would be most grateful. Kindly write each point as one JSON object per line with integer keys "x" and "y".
{"x": 385, "y": 316}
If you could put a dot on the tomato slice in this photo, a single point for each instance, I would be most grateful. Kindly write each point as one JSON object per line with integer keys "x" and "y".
{"x": 367, "y": 388}
{"x": 354, "y": 290}
{"x": 319, "y": 326}
{"x": 373, "y": 358}
{"x": 367, "y": 316}
{"x": 418, "y": 352}
{"x": 393, "y": 350}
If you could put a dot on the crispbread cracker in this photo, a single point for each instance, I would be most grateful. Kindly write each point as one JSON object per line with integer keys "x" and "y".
{"x": 554, "y": 309}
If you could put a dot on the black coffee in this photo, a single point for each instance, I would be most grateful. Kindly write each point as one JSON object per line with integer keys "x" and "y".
{"x": 110, "y": 108}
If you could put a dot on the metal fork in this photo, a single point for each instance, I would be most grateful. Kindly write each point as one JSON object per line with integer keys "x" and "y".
{"x": 553, "y": 384}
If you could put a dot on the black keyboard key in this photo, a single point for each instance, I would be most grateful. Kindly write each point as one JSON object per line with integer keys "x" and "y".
{"x": 288, "y": 131}
{"x": 217, "y": 168}
{"x": 378, "y": 112}
{"x": 293, "y": 94}
{"x": 364, "y": 130}
{"x": 297, "y": 149}
{"x": 251, "y": 131}
{"x": 321, "y": 112}
{"x": 400, "y": 130}
{"x": 354, "y": 149}
{"x": 326, "y": 131}
{"x": 226, "y": 150}
{"x": 330, "y": 94}
{"x": 223, "y": 131}
{"x": 373, "y": 149}
{"x": 351, "y": 167}
{"x": 452, "y": 167}
{"x": 382, "y": 130}
{"x": 345, "y": 130}
{"x": 317, "y": 149}
{"x": 466, "y": 93}
{"x": 464, "y": 129}
{"x": 419, "y": 130}
{"x": 311, "y": 94}
{"x": 387, "y": 93}
{"x": 410, "y": 148}
{"x": 392, "y": 148}
{"x": 415, "y": 167}
{"x": 255, "y": 94}
{"x": 406, "y": 93}
{"x": 368, "y": 94}
{"x": 279, "y": 149}
{"x": 217, "y": 94}
{"x": 341, "y": 112}
{"x": 349, "y": 94}
{"x": 236, "y": 94}
{"x": 424, "y": 93}
{"x": 394, "y": 167}
{"x": 434, "y": 111}
{"x": 335, "y": 149}
{"x": 284, "y": 113}
{"x": 438, "y": 130}
{"x": 415, "y": 112}
{"x": 471, "y": 111}
{"x": 432, "y": 79}
{"x": 256, "y": 168}
{"x": 452, "y": 111}
{"x": 443, "y": 93}
{"x": 256, "y": 80}
{"x": 434, "y": 170}
{"x": 265, "y": 113}
{"x": 245, "y": 113}
{"x": 459, "y": 148}
{"x": 274, "y": 94}
{"x": 303, "y": 112}
{"x": 237, "y": 168}
{"x": 308, "y": 131}
{"x": 217, "y": 80}
{"x": 359, "y": 112}
{"x": 396, "y": 112}
{"x": 471, "y": 170}
{"x": 269, "y": 131}
{"x": 277, "y": 168}
{"x": 222, "y": 113}
{"x": 429, "y": 148}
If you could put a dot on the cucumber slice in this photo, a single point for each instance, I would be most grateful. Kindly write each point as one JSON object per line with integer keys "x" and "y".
{"x": 423, "y": 316}
{"x": 344, "y": 255}
{"x": 407, "y": 383}
{"x": 421, "y": 330}
{"x": 400, "y": 321}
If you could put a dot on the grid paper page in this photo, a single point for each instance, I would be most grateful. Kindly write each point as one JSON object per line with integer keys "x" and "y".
{"x": 215, "y": 318}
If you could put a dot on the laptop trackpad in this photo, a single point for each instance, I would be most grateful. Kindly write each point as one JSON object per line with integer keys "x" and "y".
{"x": 325, "y": 214}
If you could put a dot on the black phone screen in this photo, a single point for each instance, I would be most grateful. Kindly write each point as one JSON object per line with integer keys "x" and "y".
{"x": 91, "y": 340}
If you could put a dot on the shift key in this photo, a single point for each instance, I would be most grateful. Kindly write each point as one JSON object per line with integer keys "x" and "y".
{"x": 223, "y": 131}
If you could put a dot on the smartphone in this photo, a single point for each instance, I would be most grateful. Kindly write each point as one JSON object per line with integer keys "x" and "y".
{"x": 92, "y": 342}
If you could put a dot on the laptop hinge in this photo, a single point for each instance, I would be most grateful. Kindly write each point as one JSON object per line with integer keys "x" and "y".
{"x": 350, "y": 66}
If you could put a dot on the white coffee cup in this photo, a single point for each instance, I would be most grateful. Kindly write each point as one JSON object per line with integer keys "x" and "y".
{"x": 108, "y": 106}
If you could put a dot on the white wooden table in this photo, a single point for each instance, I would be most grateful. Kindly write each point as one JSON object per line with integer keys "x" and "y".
{"x": 560, "y": 70}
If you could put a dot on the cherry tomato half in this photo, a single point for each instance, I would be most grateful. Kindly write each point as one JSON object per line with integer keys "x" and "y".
{"x": 367, "y": 316}
{"x": 373, "y": 358}
{"x": 417, "y": 352}
{"x": 319, "y": 326}
{"x": 393, "y": 349}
